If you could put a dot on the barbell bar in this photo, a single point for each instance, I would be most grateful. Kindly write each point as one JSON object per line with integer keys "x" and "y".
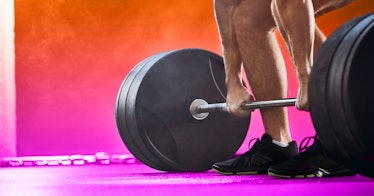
{"x": 200, "y": 109}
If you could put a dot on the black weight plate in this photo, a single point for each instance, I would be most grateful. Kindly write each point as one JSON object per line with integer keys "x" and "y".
{"x": 158, "y": 110}
{"x": 358, "y": 102}
{"x": 318, "y": 90}
{"x": 335, "y": 86}
{"x": 138, "y": 137}
{"x": 137, "y": 149}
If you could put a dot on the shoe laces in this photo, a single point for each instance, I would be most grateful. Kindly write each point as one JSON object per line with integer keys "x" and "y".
{"x": 251, "y": 148}
{"x": 250, "y": 142}
{"x": 306, "y": 150}
{"x": 306, "y": 143}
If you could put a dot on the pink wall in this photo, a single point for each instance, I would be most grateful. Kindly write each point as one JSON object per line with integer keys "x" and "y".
{"x": 72, "y": 56}
{"x": 7, "y": 87}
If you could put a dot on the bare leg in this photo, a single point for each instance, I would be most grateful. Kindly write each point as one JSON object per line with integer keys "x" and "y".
{"x": 237, "y": 94}
{"x": 295, "y": 20}
{"x": 251, "y": 41}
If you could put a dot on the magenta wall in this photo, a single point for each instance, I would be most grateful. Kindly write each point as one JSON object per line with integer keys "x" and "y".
{"x": 72, "y": 55}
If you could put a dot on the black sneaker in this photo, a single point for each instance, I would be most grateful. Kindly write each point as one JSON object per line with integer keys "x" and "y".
{"x": 258, "y": 159}
{"x": 313, "y": 162}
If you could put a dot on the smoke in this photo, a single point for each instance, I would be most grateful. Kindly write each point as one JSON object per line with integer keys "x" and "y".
{"x": 71, "y": 56}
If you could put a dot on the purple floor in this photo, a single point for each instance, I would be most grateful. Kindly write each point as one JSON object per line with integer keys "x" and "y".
{"x": 138, "y": 179}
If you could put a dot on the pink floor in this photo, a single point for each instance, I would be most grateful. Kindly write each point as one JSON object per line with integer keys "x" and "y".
{"x": 138, "y": 179}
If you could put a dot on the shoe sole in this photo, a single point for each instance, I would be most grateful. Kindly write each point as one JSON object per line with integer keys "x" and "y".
{"x": 341, "y": 171}
{"x": 314, "y": 175}
{"x": 320, "y": 173}
{"x": 237, "y": 173}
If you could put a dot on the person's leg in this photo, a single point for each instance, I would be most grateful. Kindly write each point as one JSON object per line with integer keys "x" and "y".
{"x": 295, "y": 20}
{"x": 247, "y": 34}
{"x": 304, "y": 45}
{"x": 237, "y": 94}
{"x": 263, "y": 63}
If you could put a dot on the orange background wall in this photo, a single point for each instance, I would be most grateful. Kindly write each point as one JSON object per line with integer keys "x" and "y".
{"x": 72, "y": 55}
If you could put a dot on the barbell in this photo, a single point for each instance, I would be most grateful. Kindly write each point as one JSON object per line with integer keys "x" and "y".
{"x": 170, "y": 107}
{"x": 200, "y": 109}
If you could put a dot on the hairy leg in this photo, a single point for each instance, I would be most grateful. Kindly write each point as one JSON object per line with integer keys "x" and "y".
{"x": 237, "y": 94}
{"x": 263, "y": 62}
{"x": 295, "y": 20}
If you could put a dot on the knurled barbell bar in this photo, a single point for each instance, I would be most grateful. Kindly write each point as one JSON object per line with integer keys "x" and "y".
{"x": 162, "y": 106}
{"x": 200, "y": 109}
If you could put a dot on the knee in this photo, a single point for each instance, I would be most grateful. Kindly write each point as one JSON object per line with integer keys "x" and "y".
{"x": 223, "y": 12}
{"x": 223, "y": 5}
{"x": 250, "y": 27}
{"x": 218, "y": 4}
{"x": 289, "y": 6}
{"x": 249, "y": 22}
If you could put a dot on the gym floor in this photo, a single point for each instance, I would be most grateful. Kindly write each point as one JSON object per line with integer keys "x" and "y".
{"x": 138, "y": 179}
